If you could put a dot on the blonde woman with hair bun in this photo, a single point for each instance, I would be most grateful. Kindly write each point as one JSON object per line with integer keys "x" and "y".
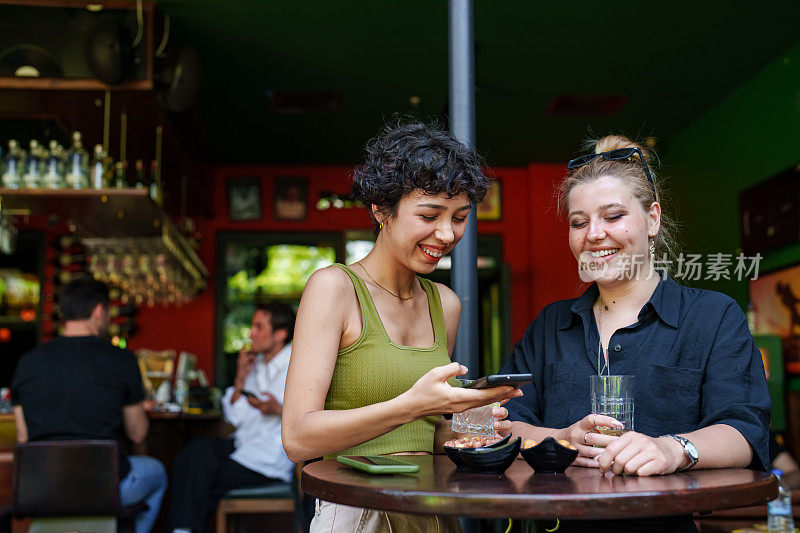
{"x": 701, "y": 398}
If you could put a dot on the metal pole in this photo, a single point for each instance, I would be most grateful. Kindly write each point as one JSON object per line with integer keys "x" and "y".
{"x": 464, "y": 274}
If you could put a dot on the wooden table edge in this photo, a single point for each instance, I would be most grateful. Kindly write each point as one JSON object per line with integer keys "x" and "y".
{"x": 542, "y": 505}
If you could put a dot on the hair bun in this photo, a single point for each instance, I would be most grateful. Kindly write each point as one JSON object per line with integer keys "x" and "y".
{"x": 615, "y": 142}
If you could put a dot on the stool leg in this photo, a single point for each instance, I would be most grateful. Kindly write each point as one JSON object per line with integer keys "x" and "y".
{"x": 222, "y": 519}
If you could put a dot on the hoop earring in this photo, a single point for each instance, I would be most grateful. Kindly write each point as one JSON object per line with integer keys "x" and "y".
{"x": 380, "y": 226}
{"x": 652, "y": 246}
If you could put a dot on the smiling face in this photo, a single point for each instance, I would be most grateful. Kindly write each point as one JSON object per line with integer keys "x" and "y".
{"x": 609, "y": 231}
{"x": 425, "y": 228}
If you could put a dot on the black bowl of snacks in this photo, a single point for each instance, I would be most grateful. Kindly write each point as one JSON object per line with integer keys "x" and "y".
{"x": 491, "y": 460}
{"x": 454, "y": 456}
{"x": 549, "y": 456}
{"x": 452, "y": 447}
{"x": 498, "y": 441}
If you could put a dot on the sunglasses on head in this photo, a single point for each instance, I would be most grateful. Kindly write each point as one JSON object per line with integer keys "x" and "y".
{"x": 620, "y": 154}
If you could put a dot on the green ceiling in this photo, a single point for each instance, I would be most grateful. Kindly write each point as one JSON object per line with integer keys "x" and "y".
{"x": 673, "y": 60}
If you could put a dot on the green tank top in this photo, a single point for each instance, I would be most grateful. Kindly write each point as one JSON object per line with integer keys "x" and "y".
{"x": 374, "y": 369}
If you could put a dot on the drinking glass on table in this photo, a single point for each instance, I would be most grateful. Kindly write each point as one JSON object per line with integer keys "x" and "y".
{"x": 613, "y": 396}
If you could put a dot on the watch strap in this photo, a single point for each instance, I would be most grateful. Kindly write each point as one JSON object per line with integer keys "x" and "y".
{"x": 686, "y": 443}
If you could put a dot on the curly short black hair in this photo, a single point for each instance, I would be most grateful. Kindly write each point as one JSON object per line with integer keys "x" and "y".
{"x": 406, "y": 157}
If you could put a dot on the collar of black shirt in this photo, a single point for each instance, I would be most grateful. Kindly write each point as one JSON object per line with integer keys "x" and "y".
{"x": 665, "y": 301}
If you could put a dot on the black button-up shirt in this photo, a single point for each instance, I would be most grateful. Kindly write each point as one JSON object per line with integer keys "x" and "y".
{"x": 694, "y": 360}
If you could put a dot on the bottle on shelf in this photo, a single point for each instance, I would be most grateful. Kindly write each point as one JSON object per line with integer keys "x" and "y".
{"x": 54, "y": 167}
{"x": 68, "y": 240}
{"x": 779, "y": 510}
{"x": 70, "y": 250}
{"x": 32, "y": 178}
{"x": 70, "y": 272}
{"x": 120, "y": 180}
{"x": 181, "y": 394}
{"x": 120, "y": 310}
{"x": 123, "y": 329}
{"x": 98, "y": 171}
{"x": 140, "y": 182}
{"x": 66, "y": 258}
{"x": 77, "y": 174}
{"x": 155, "y": 185}
{"x": 12, "y": 177}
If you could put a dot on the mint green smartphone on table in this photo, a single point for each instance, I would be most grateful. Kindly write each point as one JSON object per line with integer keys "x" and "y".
{"x": 378, "y": 464}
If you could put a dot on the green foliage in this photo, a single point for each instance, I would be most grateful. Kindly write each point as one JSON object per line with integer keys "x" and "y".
{"x": 288, "y": 267}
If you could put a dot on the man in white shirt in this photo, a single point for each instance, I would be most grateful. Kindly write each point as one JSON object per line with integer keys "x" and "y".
{"x": 207, "y": 468}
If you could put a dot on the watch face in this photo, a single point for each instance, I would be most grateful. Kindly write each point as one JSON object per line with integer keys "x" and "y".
{"x": 691, "y": 450}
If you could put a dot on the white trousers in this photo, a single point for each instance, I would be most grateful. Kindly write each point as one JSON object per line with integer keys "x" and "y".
{"x": 336, "y": 518}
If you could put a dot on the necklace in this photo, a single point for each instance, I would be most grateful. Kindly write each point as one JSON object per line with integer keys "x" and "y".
{"x": 600, "y": 341}
{"x": 382, "y": 287}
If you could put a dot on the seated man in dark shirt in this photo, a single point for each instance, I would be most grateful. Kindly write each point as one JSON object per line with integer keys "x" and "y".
{"x": 79, "y": 386}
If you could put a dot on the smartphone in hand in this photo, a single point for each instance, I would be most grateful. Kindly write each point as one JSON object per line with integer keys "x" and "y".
{"x": 497, "y": 380}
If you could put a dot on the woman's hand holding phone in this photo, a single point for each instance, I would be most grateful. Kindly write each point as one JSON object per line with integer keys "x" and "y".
{"x": 495, "y": 380}
{"x": 432, "y": 395}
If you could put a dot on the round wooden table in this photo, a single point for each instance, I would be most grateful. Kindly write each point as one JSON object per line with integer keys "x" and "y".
{"x": 578, "y": 494}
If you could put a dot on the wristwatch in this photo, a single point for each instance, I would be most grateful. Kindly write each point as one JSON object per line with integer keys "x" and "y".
{"x": 689, "y": 451}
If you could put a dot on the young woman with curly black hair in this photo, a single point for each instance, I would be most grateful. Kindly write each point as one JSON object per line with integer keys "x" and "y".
{"x": 371, "y": 354}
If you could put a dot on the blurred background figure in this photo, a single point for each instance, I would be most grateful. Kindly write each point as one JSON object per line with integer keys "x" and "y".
{"x": 79, "y": 386}
{"x": 207, "y": 468}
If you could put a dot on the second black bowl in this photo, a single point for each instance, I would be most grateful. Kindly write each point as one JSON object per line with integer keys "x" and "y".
{"x": 549, "y": 457}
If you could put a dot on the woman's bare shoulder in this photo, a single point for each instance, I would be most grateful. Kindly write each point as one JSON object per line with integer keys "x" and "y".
{"x": 450, "y": 300}
{"x": 328, "y": 281}
{"x": 328, "y": 299}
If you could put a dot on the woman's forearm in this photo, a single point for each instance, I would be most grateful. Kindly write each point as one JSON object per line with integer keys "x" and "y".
{"x": 528, "y": 431}
{"x": 720, "y": 446}
{"x": 318, "y": 433}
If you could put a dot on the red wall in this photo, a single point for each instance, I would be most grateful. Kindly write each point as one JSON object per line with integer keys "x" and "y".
{"x": 534, "y": 244}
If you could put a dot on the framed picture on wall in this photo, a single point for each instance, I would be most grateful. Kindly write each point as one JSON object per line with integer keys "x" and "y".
{"x": 491, "y": 206}
{"x": 244, "y": 199}
{"x": 775, "y": 298}
{"x": 291, "y": 198}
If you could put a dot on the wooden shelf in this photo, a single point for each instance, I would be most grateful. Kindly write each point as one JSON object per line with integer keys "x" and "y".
{"x": 73, "y": 84}
{"x": 107, "y": 213}
{"x": 96, "y": 212}
{"x": 147, "y": 5}
{"x": 143, "y": 83}
{"x": 18, "y": 323}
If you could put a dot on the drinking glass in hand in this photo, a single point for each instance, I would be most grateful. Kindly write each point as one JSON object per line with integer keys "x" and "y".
{"x": 613, "y": 396}
{"x": 478, "y": 420}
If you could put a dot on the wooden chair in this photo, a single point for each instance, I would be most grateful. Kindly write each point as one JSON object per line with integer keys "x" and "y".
{"x": 6, "y": 467}
{"x": 69, "y": 486}
{"x": 267, "y": 499}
